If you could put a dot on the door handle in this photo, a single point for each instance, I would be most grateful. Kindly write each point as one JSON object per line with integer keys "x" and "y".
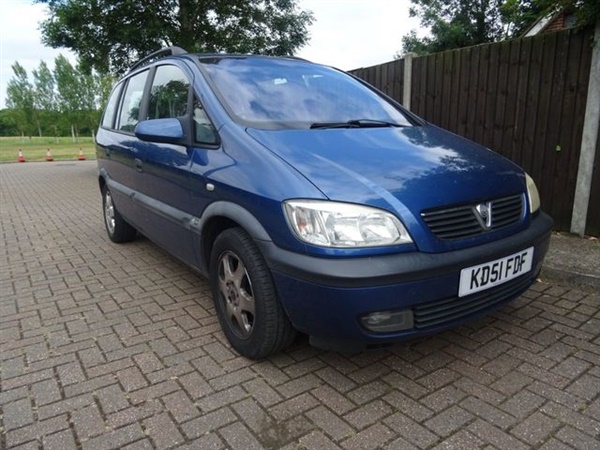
{"x": 138, "y": 165}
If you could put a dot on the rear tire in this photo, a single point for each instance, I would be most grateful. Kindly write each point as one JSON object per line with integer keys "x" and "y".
{"x": 117, "y": 229}
{"x": 249, "y": 311}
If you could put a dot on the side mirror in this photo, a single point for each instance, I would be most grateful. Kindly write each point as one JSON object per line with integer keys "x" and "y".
{"x": 168, "y": 131}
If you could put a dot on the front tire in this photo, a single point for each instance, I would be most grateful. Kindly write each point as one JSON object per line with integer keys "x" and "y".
{"x": 117, "y": 229}
{"x": 249, "y": 311}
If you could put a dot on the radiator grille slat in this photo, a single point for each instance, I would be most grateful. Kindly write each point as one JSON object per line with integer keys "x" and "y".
{"x": 448, "y": 310}
{"x": 462, "y": 221}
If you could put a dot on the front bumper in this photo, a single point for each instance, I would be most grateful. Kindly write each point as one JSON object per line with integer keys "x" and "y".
{"x": 325, "y": 298}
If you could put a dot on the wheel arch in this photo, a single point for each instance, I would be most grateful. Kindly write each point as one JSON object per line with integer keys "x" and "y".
{"x": 102, "y": 175}
{"x": 220, "y": 216}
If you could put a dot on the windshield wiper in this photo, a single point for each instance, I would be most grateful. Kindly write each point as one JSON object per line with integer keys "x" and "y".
{"x": 356, "y": 123}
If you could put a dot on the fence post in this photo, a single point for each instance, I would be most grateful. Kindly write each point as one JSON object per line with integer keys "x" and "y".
{"x": 407, "y": 91}
{"x": 588, "y": 143}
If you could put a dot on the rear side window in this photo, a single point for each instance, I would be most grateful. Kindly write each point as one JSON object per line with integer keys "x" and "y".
{"x": 108, "y": 120}
{"x": 169, "y": 93}
{"x": 132, "y": 101}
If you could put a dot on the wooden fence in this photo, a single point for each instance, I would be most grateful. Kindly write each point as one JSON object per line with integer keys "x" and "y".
{"x": 523, "y": 98}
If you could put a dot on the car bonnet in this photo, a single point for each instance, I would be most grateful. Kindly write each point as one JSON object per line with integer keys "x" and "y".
{"x": 404, "y": 170}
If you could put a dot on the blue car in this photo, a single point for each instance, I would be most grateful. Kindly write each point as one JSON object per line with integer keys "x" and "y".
{"x": 313, "y": 202}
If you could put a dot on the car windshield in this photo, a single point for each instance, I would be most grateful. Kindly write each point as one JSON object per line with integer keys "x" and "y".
{"x": 284, "y": 93}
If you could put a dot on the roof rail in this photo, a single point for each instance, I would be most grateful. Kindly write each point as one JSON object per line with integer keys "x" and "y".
{"x": 168, "y": 51}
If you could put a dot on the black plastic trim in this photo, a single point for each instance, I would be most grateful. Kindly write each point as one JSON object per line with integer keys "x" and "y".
{"x": 196, "y": 224}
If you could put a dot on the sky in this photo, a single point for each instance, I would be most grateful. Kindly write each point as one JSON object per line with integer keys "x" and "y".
{"x": 347, "y": 34}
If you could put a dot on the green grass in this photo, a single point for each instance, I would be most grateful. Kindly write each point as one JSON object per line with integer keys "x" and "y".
{"x": 34, "y": 149}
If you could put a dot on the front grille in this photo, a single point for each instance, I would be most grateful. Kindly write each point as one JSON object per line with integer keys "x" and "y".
{"x": 506, "y": 211}
{"x": 465, "y": 221}
{"x": 451, "y": 309}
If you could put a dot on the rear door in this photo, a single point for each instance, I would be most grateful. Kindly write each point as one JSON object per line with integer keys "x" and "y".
{"x": 116, "y": 145}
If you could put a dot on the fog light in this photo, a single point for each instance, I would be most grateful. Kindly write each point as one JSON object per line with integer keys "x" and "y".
{"x": 388, "y": 321}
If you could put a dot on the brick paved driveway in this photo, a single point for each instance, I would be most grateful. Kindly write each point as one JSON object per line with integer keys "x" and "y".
{"x": 106, "y": 346}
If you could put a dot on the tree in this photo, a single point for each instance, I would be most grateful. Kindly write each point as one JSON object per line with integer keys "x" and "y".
{"x": 104, "y": 85}
{"x": 43, "y": 94}
{"x": 20, "y": 97}
{"x": 91, "y": 93}
{"x": 69, "y": 90}
{"x": 109, "y": 35}
{"x": 8, "y": 122}
{"x": 43, "y": 81}
{"x": 461, "y": 23}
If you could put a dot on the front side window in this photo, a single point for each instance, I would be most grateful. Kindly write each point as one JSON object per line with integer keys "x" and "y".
{"x": 169, "y": 93}
{"x": 132, "y": 101}
{"x": 169, "y": 100}
{"x": 279, "y": 93}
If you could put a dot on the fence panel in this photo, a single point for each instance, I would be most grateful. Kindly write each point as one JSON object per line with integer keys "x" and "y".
{"x": 524, "y": 98}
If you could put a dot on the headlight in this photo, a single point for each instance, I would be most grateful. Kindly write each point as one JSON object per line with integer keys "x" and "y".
{"x": 343, "y": 225}
{"x": 532, "y": 194}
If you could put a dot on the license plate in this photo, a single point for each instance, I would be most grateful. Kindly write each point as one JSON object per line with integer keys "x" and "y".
{"x": 485, "y": 276}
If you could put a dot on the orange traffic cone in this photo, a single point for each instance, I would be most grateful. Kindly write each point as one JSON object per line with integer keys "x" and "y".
{"x": 21, "y": 157}
{"x": 49, "y": 155}
{"x": 81, "y": 156}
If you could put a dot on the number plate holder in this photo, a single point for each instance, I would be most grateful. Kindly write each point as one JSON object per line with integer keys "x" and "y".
{"x": 493, "y": 273}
